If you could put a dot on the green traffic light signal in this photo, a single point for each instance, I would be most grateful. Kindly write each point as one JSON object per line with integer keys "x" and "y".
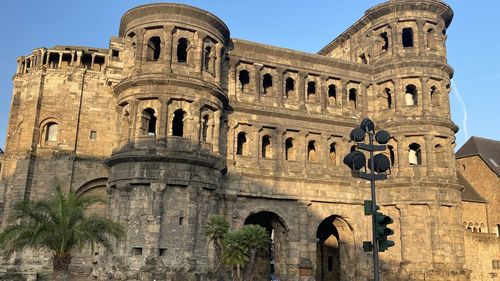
{"x": 382, "y": 231}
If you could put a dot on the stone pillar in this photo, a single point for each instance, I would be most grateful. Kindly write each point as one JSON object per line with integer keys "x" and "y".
{"x": 280, "y": 85}
{"x": 123, "y": 213}
{"x": 139, "y": 46}
{"x": 323, "y": 93}
{"x": 400, "y": 152}
{"x": 60, "y": 60}
{"x": 305, "y": 265}
{"x": 405, "y": 228}
{"x": 153, "y": 220}
{"x": 421, "y": 37}
{"x": 233, "y": 80}
{"x": 429, "y": 154}
{"x": 78, "y": 58}
{"x": 167, "y": 49}
{"x": 199, "y": 38}
{"x": 20, "y": 65}
{"x": 435, "y": 225}
{"x": 280, "y": 145}
{"x": 218, "y": 57}
{"x": 162, "y": 120}
{"x": 425, "y": 95}
{"x": 257, "y": 69}
{"x": 48, "y": 59}
{"x": 301, "y": 89}
{"x": 92, "y": 63}
{"x": 343, "y": 94}
{"x": 398, "y": 95}
{"x": 216, "y": 134}
{"x": 395, "y": 42}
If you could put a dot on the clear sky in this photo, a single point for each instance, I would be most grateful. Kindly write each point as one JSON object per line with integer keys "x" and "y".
{"x": 473, "y": 40}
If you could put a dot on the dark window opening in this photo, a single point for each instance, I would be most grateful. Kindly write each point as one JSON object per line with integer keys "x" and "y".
{"x": 266, "y": 147}
{"x": 181, "y": 220}
{"x": 53, "y": 60}
{"x": 93, "y": 135}
{"x": 51, "y": 130}
{"x": 99, "y": 63}
{"x": 178, "y": 123}
{"x": 352, "y": 98}
{"x": 333, "y": 154}
{"x": 241, "y": 144}
{"x": 153, "y": 49}
{"x": 311, "y": 88}
{"x": 267, "y": 83}
{"x": 289, "y": 86}
{"x": 148, "y": 122}
{"x": 86, "y": 61}
{"x": 384, "y": 37}
{"x": 407, "y": 37}
{"x": 415, "y": 154}
{"x": 289, "y": 149}
{"x": 411, "y": 95}
{"x": 182, "y": 48}
{"x": 311, "y": 152}
{"x": 136, "y": 251}
{"x": 204, "y": 128}
{"x": 244, "y": 78}
{"x": 388, "y": 97}
{"x": 363, "y": 59}
{"x": 162, "y": 252}
{"x": 115, "y": 53}
{"x": 207, "y": 57}
{"x": 332, "y": 91}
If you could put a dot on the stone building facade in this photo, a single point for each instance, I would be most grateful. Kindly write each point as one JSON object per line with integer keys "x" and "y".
{"x": 479, "y": 171}
{"x": 176, "y": 121}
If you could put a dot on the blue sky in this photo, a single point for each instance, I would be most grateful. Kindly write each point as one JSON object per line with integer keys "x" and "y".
{"x": 472, "y": 43}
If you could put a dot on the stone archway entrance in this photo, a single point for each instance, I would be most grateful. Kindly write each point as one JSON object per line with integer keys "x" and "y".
{"x": 273, "y": 263}
{"x": 333, "y": 249}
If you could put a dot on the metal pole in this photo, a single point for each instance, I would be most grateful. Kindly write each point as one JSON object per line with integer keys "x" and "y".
{"x": 374, "y": 212}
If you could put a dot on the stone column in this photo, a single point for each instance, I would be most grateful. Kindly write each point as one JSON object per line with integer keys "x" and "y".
{"x": 257, "y": 69}
{"x": 280, "y": 144}
{"x": 60, "y": 60}
{"x": 139, "y": 47}
{"x": 429, "y": 154}
{"x": 323, "y": 93}
{"x": 400, "y": 156}
{"x": 48, "y": 59}
{"x": 78, "y": 58}
{"x": 218, "y": 57}
{"x": 435, "y": 225}
{"x": 398, "y": 95}
{"x": 421, "y": 37}
{"x": 123, "y": 190}
{"x": 153, "y": 220}
{"x": 301, "y": 89}
{"x": 92, "y": 63}
{"x": 425, "y": 95}
{"x": 280, "y": 85}
{"x": 233, "y": 80}
{"x": 343, "y": 94}
{"x": 405, "y": 228}
{"x": 395, "y": 42}
{"x": 162, "y": 121}
{"x": 199, "y": 37}
{"x": 168, "y": 52}
{"x": 216, "y": 135}
{"x": 20, "y": 67}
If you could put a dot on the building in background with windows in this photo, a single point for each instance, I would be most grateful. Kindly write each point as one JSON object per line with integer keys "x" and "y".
{"x": 479, "y": 172}
{"x": 177, "y": 121}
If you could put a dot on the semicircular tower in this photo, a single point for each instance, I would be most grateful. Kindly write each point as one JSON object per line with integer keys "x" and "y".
{"x": 167, "y": 160}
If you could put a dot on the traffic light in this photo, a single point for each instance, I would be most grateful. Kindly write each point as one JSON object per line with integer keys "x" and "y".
{"x": 382, "y": 231}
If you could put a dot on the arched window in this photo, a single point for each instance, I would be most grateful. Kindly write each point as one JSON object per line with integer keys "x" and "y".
{"x": 148, "y": 122}
{"x": 51, "y": 130}
{"x": 267, "y": 83}
{"x": 333, "y": 154}
{"x": 414, "y": 154}
{"x": 407, "y": 37}
{"x": 435, "y": 96}
{"x": 384, "y": 37}
{"x": 244, "y": 78}
{"x": 289, "y": 86}
{"x": 411, "y": 95}
{"x": 133, "y": 50}
{"x": 311, "y": 89}
{"x": 352, "y": 98}
{"x": 153, "y": 49}
{"x": 332, "y": 92}
{"x": 241, "y": 145}
{"x": 266, "y": 147}
{"x": 289, "y": 149}
{"x": 311, "y": 152}
{"x": 182, "y": 50}
{"x": 204, "y": 128}
{"x": 207, "y": 57}
{"x": 388, "y": 96}
{"x": 178, "y": 123}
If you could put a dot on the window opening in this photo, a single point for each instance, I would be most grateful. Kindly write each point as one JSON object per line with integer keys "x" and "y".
{"x": 414, "y": 156}
{"x": 178, "y": 123}
{"x": 411, "y": 95}
{"x": 244, "y": 78}
{"x": 153, "y": 49}
{"x": 408, "y": 37}
{"x": 182, "y": 48}
{"x": 311, "y": 89}
{"x": 352, "y": 98}
{"x": 207, "y": 57}
{"x": 333, "y": 154}
{"x": 51, "y": 131}
{"x": 241, "y": 144}
{"x": 204, "y": 128}
{"x": 311, "y": 151}
{"x": 266, "y": 147}
{"x": 289, "y": 86}
{"x": 289, "y": 149}
{"x": 384, "y": 37}
{"x": 267, "y": 83}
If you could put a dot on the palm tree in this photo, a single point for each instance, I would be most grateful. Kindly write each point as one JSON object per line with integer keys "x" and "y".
{"x": 235, "y": 252}
{"x": 215, "y": 229}
{"x": 256, "y": 239}
{"x": 60, "y": 226}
